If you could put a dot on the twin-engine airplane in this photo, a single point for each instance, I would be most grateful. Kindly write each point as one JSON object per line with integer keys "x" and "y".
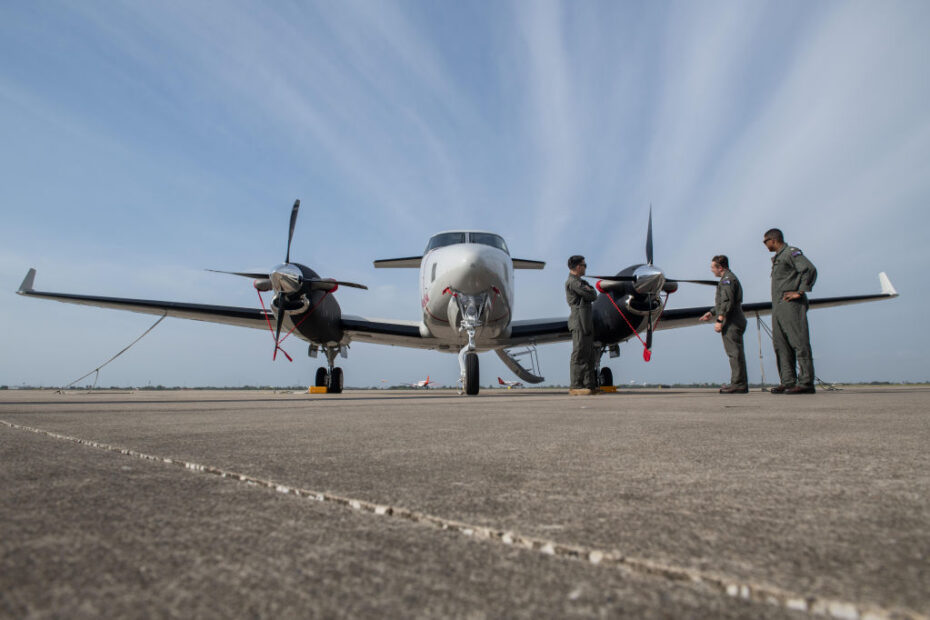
{"x": 466, "y": 292}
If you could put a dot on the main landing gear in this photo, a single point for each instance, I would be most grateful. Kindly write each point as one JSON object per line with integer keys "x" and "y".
{"x": 331, "y": 378}
{"x": 604, "y": 375}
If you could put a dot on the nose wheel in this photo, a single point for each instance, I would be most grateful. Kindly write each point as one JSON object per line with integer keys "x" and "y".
{"x": 605, "y": 376}
{"x": 471, "y": 374}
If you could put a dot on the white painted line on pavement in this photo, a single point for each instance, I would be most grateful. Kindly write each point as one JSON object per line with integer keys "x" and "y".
{"x": 758, "y": 592}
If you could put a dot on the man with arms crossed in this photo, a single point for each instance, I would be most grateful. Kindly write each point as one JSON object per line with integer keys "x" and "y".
{"x": 580, "y": 295}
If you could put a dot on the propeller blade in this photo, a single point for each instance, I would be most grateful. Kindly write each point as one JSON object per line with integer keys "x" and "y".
{"x": 706, "y": 282}
{"x": 277, "y": 334}
{"x": 320, "y": 284}
{"x": 605, "y": 286}
{"x": 614, "y": 278}
{"x": 245, "y": 274}
{"x": 290, "y": 234}
{"x": 649, "y": 238}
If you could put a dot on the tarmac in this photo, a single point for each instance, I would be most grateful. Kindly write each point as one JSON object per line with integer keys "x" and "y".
{"x": 513, "y": 503}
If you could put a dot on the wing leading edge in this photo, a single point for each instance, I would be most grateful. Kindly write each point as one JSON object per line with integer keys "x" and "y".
{"x": 229, "y": 315}
{"x": 685, "y": 317}
{"x": 407, "y": 333}
{"x": 543, "y": 331}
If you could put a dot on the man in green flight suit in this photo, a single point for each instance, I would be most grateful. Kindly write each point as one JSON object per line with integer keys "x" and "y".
{"x": 730, "y": 323}
{"x": 793, "y": 276}
{"x": 580, "y": 295}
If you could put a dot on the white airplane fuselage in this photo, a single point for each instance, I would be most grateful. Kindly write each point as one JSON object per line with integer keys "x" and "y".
{"x": 466, "y": 281}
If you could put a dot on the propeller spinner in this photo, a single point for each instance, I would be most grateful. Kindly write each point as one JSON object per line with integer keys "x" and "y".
{"x": 289, "y": 284}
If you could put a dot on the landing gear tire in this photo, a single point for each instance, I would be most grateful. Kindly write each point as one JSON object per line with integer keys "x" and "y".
{"x": 605, "y": 377}
{"x": 335, "y": 381}
{"x": 471, "y": 374}
{"x": 321, "y": 377}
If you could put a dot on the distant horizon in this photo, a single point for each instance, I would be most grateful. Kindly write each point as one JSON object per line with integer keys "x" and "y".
{"x": 159, "y": 388}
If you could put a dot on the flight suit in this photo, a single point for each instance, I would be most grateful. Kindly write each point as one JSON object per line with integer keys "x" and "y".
{"x": 728, "y": 303}
{"x": 580, "y": 295}
{"x": 791, "y": 271}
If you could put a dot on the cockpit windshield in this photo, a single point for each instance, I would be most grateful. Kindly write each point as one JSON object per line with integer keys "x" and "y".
{"x": 488, "y": 239}
{"x": 443, "y": 239}
{"x": 451, "y": 238}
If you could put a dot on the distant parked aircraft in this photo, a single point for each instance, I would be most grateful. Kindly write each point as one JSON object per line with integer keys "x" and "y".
{"x": 424, "y": 383}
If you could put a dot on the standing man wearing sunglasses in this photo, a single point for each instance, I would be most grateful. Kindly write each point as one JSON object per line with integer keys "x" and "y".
{"x": 793, "y": 276}
{"x": 580, "y": 295}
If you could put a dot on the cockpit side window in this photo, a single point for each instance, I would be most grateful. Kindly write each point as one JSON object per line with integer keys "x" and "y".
{"x": 489, "y": 239}
{"x": 443, "y": 239}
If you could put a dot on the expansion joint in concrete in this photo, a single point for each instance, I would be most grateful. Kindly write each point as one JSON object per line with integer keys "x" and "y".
{"x": 757, "y": 592}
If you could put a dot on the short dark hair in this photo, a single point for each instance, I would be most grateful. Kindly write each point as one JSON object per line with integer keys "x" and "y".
{"x": 774, "y": 234}
{"x": 575, "y": 260}
{"x": 722, "y": 260}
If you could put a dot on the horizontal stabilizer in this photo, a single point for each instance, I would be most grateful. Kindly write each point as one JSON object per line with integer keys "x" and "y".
{"x": 523, "y": 263}
{"x": 511, "y": 362}
{"x": 410, "y": 262}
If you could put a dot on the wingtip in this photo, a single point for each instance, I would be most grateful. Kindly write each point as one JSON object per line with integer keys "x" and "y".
{"x": 887, "y": 287}
{"x": 28, "y": 281}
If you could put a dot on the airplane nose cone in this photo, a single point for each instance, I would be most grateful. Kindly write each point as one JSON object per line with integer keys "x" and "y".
{"x": 649, "y": 280}
{"x": 475, "y": 274}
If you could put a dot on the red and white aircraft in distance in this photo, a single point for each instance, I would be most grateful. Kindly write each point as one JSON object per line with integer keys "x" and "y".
{"x": 510, "y": 384}
{"x": 423, "y": 383}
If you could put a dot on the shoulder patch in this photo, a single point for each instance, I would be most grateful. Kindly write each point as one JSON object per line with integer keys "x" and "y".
{"x": 795, "y": 251}
{"x": 724, "y": 282}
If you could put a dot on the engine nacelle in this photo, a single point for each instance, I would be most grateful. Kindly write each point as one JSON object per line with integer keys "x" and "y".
{"x": 610, "y": 327}
{"x": 290, "y": 305}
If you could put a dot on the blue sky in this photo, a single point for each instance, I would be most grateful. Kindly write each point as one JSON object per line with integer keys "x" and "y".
{"x": 144, "y": 142}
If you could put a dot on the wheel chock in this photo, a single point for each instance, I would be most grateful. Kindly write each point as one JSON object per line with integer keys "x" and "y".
{"x": 317, "y": 389}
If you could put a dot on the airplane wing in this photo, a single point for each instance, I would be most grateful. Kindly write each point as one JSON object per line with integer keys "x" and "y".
{"x": 683, "y": 317}
{"x": 537, "y": 331}
{"x": 229, "y": 315}
{"x": 381, "y": 331}
{"x": 407, "y": 333}
{"x": 394, "y": 332}
{"x": 543, "y": 331}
